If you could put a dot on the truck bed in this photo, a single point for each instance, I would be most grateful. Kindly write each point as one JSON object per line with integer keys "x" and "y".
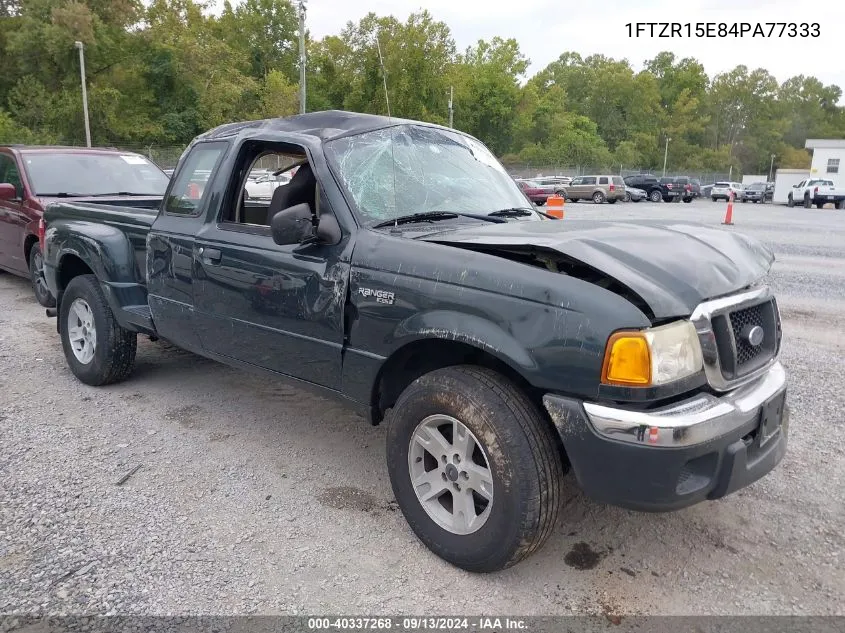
{"x": 109, "y": 222}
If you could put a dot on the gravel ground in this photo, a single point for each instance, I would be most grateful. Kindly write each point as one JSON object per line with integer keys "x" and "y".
{"x": 251, "y": 496}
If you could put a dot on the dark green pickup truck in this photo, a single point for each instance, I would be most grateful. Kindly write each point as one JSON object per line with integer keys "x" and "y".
{"x": 402, "y": 270}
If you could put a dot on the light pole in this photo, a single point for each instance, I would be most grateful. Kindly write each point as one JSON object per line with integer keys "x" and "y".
{"x": 451, "y": 96}
{"x": 666, "y": 155}
{"x": 302, "y": 56}
{"x": 84, "y": 92}
{"x": 771, "y": 165}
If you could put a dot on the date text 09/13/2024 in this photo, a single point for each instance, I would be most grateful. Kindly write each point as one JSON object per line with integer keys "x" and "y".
{"x": 724, "y": 29}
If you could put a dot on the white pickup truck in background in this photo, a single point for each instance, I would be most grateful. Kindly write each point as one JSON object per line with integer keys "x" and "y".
{"x": 815, "y": 191}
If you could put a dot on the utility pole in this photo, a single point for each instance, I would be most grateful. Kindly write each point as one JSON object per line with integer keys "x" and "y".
{"x": 451, "y": 111}
{"x": 302, "y": 56}
{"x": 666, "y": 155}
{"x": 84, "y": 92}
{"x": 771, "y": 165}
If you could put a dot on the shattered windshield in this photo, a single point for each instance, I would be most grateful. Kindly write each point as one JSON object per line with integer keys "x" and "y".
{"x": 407, "y": 169}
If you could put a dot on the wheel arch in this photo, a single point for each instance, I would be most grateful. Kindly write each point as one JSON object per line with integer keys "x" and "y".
{"x": 30, "y": 241}
{"x": 426, "y": 354}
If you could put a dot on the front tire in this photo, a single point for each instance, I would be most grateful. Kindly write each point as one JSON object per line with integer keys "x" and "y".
{"x": 97, "y": 349}
{"x": 475, "y": 468}
{"x": 36, "y": 278}
{"x": 655, "y": 196}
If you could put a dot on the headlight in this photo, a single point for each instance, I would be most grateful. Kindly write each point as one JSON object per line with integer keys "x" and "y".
{"x": 651, "y": 357}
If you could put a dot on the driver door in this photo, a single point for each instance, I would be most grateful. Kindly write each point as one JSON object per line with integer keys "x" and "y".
{"x": 280, "y": 308}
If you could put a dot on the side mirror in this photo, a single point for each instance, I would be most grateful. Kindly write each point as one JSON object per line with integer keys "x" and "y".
{"x": 292, "y": 225}
{"x": 295, "y": 225}
{"x": 8, "y": 191}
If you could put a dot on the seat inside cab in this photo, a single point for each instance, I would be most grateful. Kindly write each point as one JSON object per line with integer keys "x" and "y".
{"x": 271, "y": 179}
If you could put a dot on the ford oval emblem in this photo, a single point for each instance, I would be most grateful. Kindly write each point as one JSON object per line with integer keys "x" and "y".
{"x": 753, "y": 334}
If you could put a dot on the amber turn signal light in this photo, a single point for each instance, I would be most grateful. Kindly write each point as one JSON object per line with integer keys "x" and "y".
{"x": 627, "y": 360}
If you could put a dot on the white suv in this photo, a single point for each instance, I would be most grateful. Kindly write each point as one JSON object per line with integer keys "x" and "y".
{"x": 722, "y": 190}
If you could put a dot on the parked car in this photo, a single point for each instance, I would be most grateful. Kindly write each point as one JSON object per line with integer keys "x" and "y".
{"x": 679, "y": 186}
{"x": 556, "y": 184}
{"x": 596, "y": 188}
{"x": 31, "y": 177}
{"x": 695, "y": 187}
{"x": 535, "y": 193}
{"x": 757, "y": 192}
{"x": 656, "y": 190}
{"x": 421, "y": 282}
{"x": 263, "y": 185}
{"x": 723, "y": 190}
{"x": 816, "y": 191}
{"x": 632, "y": 194}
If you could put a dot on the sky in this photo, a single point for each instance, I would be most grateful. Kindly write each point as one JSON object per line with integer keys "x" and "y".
{"x": 546, "y": 28}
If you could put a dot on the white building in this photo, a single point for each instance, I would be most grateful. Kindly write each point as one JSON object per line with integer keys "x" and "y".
{"x": 828, "y": 159}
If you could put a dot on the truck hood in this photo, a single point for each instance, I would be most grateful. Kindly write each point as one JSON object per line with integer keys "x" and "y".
{"x": 143, "y": 202}
{"x": 672, "y": 268}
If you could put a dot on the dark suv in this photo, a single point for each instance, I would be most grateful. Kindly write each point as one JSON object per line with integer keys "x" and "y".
{"x": 654, "y": 188}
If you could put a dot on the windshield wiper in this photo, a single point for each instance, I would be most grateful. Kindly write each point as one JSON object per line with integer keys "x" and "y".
{"x": 63, "y": 194}
{"x": 512, "y": 212}
{"x": 521, "y": 211}
{"x": 121, "y": 193}
{"x": 433, "y": 216}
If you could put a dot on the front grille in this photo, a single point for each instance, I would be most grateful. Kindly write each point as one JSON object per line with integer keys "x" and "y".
{"x": 737, "y": 356}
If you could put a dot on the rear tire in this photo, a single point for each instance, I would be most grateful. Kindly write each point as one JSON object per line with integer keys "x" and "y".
{"x": 687, "y": 200}
{"x": 598, "y": 197}
{"x": 36, "y": 278}
{"x": 109, "y": 355}
{"x": 840, "y": 204}
{"x": 523, "y": 473}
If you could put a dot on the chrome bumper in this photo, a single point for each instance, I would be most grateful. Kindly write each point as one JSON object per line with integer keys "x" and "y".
{"x": 699, "y": 419}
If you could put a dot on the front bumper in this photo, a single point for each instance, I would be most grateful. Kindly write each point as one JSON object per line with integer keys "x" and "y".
{"x": 668, "y": 458}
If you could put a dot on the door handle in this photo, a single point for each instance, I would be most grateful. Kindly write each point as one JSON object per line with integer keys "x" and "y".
{"x": 210, "y": 255}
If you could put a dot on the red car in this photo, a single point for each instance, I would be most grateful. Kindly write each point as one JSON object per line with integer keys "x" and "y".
{"x": 535, "y": 192}
{"x": 33, "y": 177}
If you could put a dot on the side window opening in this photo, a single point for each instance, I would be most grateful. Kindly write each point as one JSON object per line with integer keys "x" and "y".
{"x": 603, "y": 180}
{"x": 268, "y": 178}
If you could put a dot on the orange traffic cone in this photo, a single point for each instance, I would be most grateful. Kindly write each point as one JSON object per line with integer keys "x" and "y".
{"x": 729, "y": 214}
{"x": 554, "y": 206}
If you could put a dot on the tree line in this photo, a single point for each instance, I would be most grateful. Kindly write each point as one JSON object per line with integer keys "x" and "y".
{"x": 160, "y": 73}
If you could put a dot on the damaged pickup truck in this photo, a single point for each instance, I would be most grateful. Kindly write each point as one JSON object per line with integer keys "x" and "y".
{"x": 402, "y": 270}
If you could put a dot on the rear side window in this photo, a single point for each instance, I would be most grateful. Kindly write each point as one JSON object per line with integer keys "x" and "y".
{"x": 603, "y": 180}
{"x": 190, "y": 188}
